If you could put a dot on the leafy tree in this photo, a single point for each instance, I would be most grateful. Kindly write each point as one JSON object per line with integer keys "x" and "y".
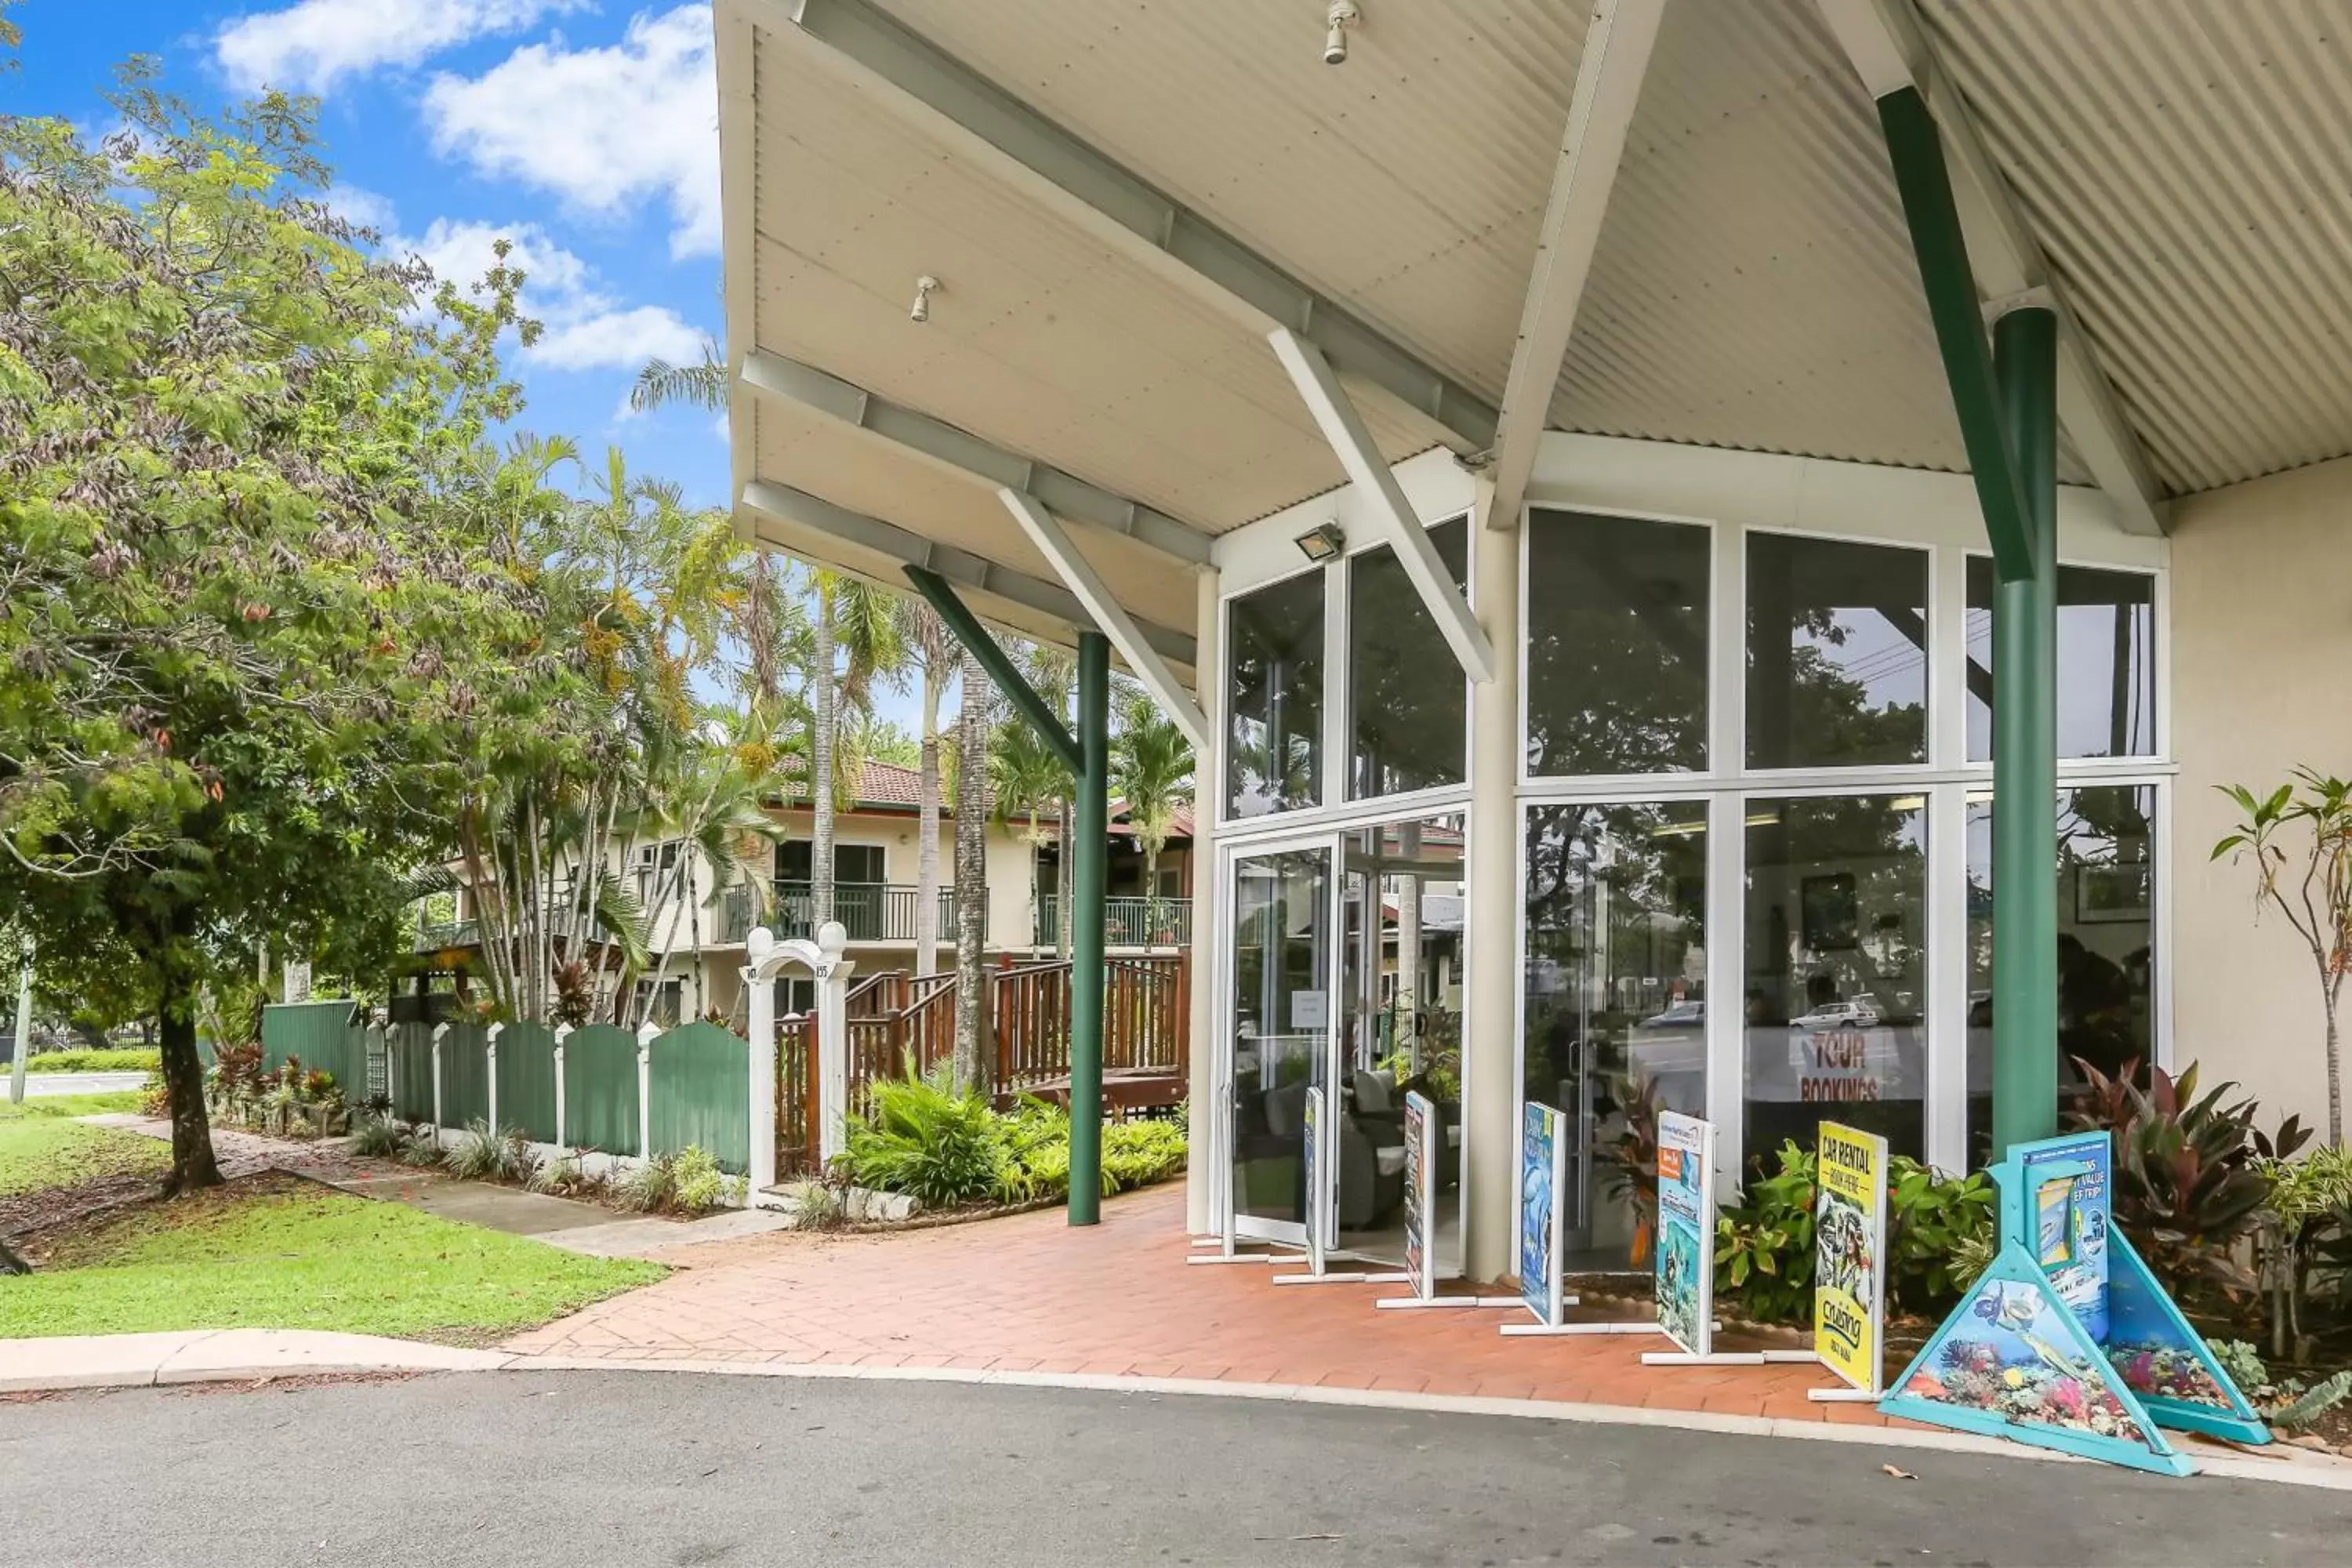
{"x": 254, "y": 574}
{"x": 1028, "y": 778}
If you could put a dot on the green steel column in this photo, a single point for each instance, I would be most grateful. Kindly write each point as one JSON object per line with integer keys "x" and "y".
{"x": 2026, "y": 748}
{"x": 1092, "y": 831}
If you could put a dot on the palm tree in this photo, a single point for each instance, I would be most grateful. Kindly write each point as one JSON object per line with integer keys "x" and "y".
{"x": 1151, "y": 767}
{"x": 934, "y": 650}
{"x": 971, "y": 870}
{"x": 1027, "y": 777}
{"x": 703, "y": 386}
{"x": 857, "y": 644}
{"x": 1054, "y": 672}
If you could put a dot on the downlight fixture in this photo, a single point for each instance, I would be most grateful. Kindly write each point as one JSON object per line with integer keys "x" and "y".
{"x": 1342, "y": 16}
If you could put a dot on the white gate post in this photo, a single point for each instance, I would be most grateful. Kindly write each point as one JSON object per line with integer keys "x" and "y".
{"x": 492, "y": 1052}
{"x": 645, "y": 1035}
{"x": 561, "y": 1031}
{"x": 439, "y": 1030}
{"x": 833, "y": 1040}
{"x": 758, "y": 947}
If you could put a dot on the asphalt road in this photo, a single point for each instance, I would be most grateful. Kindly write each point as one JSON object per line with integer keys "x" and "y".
{"x": 40, "y": 1083}
{"x": 564, "y": 1469}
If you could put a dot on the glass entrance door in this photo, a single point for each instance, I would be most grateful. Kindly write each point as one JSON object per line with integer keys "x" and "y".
{"x": 1281, "y": 1041}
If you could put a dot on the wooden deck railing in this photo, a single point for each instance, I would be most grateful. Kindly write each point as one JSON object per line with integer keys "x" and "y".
{"x": 895, "y": 1020}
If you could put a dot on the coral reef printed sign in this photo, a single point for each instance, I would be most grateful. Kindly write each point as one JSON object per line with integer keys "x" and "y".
{"x": 1540, "y": 1214}
{"x": 1420, "y": 1195}
{"x": 1685, "y": 1266}
{"x": 1850, "y": 1253}
{"x": 2070, "y": 1217}
{"x": 2013, "y": 1354}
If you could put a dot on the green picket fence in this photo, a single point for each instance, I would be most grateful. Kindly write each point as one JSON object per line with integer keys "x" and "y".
{"x": 527, "y": 1080}
{"x": 465, "y": 1075}
{"x": 325, "y": 1036}
{"x": 600, "y": 1089}
{"x": 701, "y": 1094}
{"x": 411, "y": 1048}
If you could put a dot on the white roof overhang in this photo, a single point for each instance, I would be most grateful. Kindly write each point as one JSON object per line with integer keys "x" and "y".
{"x": 1120, "y": 199}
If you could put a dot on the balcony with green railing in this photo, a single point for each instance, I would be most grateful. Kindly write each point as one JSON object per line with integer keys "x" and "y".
{"x": 1133, "y": 921}
{"x": 869, "y": 911}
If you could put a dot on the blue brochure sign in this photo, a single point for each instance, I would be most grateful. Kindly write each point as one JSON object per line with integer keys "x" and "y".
{"x": 2068, "y": 1342}
{"x": 1539, "y": 1212}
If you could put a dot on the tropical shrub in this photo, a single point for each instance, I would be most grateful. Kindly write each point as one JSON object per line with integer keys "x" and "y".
{"x": 924, "y": 1137}
{"x": 2189, "y": 1187}
{"x": 701, "y": 1185}
{"x": 376, "y": 1135}
{"x": 650, "y": 1188}
{"x": 1136, "y": 1154}
{"x": 1939, "y": 1232}
{"x": 84, "y": 1058}
{"x": 2287, "y": 1403}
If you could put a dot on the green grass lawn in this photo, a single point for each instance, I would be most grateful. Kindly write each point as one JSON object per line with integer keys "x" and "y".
{"x": 42, "y": 1146}
{"x": 297, "y": 1256}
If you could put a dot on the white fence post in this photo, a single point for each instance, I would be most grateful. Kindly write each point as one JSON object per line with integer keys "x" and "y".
{"x": 833, "y": 1041}
{"x": 439, "y": 1032}
{"x": 647, "y": 1034}
{"x": 492, "y": 1052}
{"x": 761, "y": 1166}
{"x": 561, "y": 1030}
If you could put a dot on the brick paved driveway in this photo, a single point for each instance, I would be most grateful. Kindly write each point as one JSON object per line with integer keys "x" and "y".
{"x": 1030, "y": 1294}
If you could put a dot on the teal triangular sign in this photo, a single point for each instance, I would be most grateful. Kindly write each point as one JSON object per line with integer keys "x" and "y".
{"x": 2164, "y": 1362}
{"x": 2012, "y": 1361}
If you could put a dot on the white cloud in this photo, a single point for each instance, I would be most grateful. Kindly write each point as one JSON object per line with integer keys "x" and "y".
{"x": 603, "y": 128}
{"x": 361, "y": 208}
{"x": 309, "y": 47}
{"x": 586, "y": 328}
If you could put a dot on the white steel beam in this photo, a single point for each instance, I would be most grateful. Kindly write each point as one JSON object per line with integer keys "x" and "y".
{"x": 1890, "y": 51}
{"x": 997, "y": 132}
{"x": 776, "y": 375}
{"x": 1617, "y": 45}
{"x": 1343, "y": 428}
{"x": 1078, "y": 574}
{"x": 960, "y": 567}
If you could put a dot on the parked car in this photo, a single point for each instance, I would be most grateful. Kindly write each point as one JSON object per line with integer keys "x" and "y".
{"x": 1853, "y": 1013}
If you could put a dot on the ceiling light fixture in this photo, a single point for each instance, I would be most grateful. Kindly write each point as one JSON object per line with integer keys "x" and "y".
{"x": 1322, "y": 543}
{"x": 1341, "y": 16}
{"x": 925, "y": 287}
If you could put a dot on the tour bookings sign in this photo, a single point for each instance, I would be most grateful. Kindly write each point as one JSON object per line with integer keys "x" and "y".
{"x": 1850, "y": 1253}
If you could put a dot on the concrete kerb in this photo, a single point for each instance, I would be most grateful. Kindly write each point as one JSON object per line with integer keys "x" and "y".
{"x": 245, "y": 1355}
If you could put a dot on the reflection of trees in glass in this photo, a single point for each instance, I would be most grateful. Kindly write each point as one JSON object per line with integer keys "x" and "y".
{"x": 1837, "y": 640}
{"x": 1880, "y": 842}
{"x": 2106, "y": 661}
{"x": 1617, "y": 644}
{"x": 2106, "y": 886}
{"x": 1274, "y": 697}
{"x": 1407, "y": 704}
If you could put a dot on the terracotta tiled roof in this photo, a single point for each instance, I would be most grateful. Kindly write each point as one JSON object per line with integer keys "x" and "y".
{"x": 887, "y": 783}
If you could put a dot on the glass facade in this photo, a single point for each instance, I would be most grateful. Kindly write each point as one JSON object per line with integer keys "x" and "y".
{"x": 1614, "y": 995}
{"x": 2107, "y": 662}
{"x": 1408, "y": 704}
{"x": 1617, "y": 629}
{"x": 1273, "y": 698}
{"x": 1837, "y": 653}
{"x": 1835, "y": 970}
{"x": 2107, "y": 940}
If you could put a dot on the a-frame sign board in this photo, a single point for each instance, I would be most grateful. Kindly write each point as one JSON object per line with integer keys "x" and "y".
{"x": 2067, "y": 1342}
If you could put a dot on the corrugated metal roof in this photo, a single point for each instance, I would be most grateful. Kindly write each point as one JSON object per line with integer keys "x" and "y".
{"x": 2187, "y": 167}
{"x": 1753, "y": 286}
{"x": 1410, "y": 182}
{"x": 1042, "y": 339}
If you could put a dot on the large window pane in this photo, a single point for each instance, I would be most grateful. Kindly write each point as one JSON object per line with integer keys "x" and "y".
{"x": 1617, "y": 644}
{"x": 1407, "y": 702}
{"x": 1273, "y": 698}
{"x": 2107, "y": 662}
{"x": 1615, "y": 991}
{"x": 2107, "y": 940}
{"x": 1837, "y": 653}
{"x": 1836, "y": 970}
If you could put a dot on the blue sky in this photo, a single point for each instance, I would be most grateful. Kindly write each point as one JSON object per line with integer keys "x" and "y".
{"x": 585, "y": 132}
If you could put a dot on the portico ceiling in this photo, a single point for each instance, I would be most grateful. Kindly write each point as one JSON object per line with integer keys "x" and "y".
{"x": 2181, "y": 165}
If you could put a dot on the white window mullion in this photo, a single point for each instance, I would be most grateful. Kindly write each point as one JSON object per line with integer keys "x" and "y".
{"x": 1727, "y": 1011}
{"x": 1946, "y": 1131}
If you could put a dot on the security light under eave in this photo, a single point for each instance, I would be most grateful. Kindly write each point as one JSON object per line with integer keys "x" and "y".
{"x": 1322, "y": 543}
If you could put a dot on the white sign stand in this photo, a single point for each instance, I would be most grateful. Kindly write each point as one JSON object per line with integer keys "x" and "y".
{"x": 1322, "y": 1197}
{"x": 1424, "y": 1128}
{"x": 1687, "y": 1193}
